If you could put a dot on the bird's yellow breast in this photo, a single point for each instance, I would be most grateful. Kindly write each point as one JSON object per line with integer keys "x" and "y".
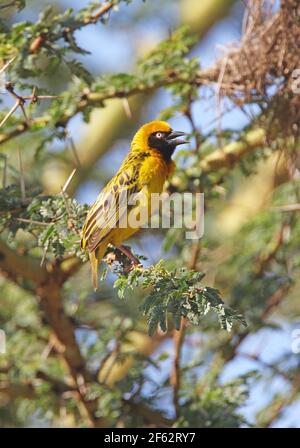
{"x": 155, "y": 171}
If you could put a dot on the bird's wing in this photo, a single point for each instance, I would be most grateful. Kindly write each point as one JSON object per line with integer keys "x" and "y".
{"x": 111, "y": 205}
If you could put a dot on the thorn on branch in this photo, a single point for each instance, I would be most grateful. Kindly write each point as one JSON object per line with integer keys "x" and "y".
{"x": 5, "y": 66}
{"x": 126, "y": 107}
{"x": 9, "y": 114}
{"x": 68, "y": 181}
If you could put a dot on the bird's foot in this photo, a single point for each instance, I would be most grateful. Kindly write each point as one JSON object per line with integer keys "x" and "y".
{"x": 127, "y": 251}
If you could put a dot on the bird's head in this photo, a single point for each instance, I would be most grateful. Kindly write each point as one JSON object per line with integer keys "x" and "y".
{"x": 158, "y": 135}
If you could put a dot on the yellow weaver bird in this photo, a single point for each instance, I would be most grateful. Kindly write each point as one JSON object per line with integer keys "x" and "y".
{"x": 143, "y": 172}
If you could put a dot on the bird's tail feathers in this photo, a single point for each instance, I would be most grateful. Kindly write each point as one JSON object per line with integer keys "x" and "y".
{"x": 95, "y": 257}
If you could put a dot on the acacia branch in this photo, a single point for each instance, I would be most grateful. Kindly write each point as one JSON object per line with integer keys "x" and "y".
{"x": 102, "y": 11}
{"x": 17, "y": 266}
{"x": 232, "y": 153}
{"x": 40, "y": 39}
{"x": 176, "y": 373}
{"x": 8, "y": 5}
{"x": 29, "y": 389}
{"x": 95, "y": 99}
{"x": 13, "y": 391}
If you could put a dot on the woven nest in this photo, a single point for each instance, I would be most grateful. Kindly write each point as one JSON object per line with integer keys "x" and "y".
{"x": 262, "y": 69}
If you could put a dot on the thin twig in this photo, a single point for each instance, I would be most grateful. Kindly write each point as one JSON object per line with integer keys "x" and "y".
{"x": 178, "y": 339}
{"x": 32, "y": 221}
{"x": 176, "y": 373}
{"x": 265, "y": 258}
{"x": 104, "y": 10}
{"x": 24, "y": 113}
{"x": 195, "y": 130}
{"x": 21, "y": 100}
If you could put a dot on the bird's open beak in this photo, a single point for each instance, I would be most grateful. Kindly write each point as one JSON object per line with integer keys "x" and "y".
{"x": 174, "y": 140}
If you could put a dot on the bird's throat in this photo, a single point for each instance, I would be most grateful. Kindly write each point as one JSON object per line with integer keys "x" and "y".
{"x": 166, "y": 151}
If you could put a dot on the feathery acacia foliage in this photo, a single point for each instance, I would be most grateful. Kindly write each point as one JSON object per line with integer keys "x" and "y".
{"x": 77, "y": 358}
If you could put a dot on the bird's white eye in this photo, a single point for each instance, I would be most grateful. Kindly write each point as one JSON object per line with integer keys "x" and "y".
{"x": 159, "y": 135}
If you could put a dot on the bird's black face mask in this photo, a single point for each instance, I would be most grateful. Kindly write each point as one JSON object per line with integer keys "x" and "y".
{"x": 166, "y": 142}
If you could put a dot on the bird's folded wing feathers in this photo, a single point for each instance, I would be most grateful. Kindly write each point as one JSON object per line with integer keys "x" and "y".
{"x": 109, "y": 208}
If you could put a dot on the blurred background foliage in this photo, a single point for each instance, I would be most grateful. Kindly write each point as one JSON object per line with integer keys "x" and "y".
{"x": 76, "y": 82}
